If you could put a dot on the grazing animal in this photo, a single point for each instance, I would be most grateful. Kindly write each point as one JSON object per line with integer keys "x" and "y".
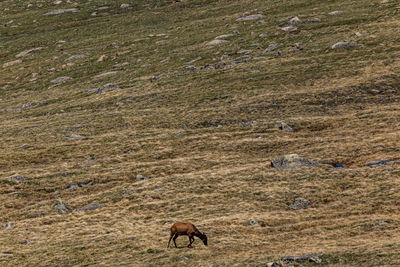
{"x": 188, "y": 229}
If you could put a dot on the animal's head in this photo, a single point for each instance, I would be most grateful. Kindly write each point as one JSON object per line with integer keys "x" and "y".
{"x": 204, "y": 239}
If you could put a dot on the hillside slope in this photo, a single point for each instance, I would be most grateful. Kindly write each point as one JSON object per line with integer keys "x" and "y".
{"x": 137, "y": 110}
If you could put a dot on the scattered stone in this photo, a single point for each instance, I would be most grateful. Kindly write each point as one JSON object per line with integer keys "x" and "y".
{"x": 313, "y": 20}
{"x": 189, "y": 68}
{"x": 381, "y": 162}
{"x": 358, "y": 34}
{"x": 193, "y": 61}
{"x": 27, "y": 242}
{"x": 250, "y": 17}
{"x": 9, "y": 225}
{"x": 300, "y": 204}
{"x": 281, "y": 125}
{"x": 58, "y": 2}
{"x": 262, "y": 35}
{"x": 61, "y": 79}
{"x": 26, "y": 52}
{"x": 244, "y": 51}
{"x": 272, "y": 47}
{"x": 77, "y": 136}
{"x": 310, "y": 257}
{"x": 16, "y": 178}
{"x": 224, "y": 36}
{"x": 344, "y": 44}
{"x": 217, "y": 42}
{"x": 292, "y": 161}
{"x": 126, "y": 6}
{"x": 5, "y": 254}
{"x": 129, "y": 192}
{"x": 26, "y": 146}
{"x": 154, "y": 78}
{"x": 61, "y": 207}
{"x": 61, "y": 11}
{"x": 14, "y": 62}
{"x": 75, "y": 57}
{"x": 102, "y": 58}
{"x": 337, "y": 12}
{"x": 386, "y": 1}
{"x": 295, "y": 21}
{"x": 103, "y": 89}
{"x": 121, "y": 64}
{"x": 103, "y": 8}
{"x": 242, "y": 59}
{"x": 141, "y": 177}
{"x": 253, "y": 222}
{"x": 167, "y": 229}
{"x": 289, "y": 29}
{"x": 91, "y": 206}
{"x": 104, "y": 74}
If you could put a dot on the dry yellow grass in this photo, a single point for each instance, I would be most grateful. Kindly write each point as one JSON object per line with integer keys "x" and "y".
{"x": 204, "y": 138}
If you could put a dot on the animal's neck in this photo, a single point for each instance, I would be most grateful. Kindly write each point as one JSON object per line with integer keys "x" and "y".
{"x": 198, "y": 234}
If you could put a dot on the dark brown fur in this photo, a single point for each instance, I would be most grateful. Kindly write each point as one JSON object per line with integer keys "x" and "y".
{"x": 188, "y": 229}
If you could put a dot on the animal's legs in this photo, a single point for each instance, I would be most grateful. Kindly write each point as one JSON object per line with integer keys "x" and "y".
{"x": 172, "y": 235}
{"x": 175, "y": 237}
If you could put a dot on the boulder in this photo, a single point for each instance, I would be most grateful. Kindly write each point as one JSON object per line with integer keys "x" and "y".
{"x": 91, "y": 206}
{"x": 300, "y": 204}
{"x": 292, "y": 161}
{"x": 61, "y": 207}
{"x": 250, "y": 17}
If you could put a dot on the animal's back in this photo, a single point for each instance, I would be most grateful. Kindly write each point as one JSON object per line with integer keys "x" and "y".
{"x": 180, "y": 227}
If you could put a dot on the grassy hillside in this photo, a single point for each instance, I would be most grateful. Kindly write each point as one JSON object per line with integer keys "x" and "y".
{"x": 104, "y": 91}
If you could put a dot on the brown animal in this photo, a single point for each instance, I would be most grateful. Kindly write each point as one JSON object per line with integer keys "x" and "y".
{"x": 188, "y": 229}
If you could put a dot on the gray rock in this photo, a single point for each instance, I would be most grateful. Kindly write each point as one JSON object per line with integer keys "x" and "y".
{"x": 10, "y": 63}
{"x": 295, "y": 21}
{"x": 77, "y": 136}
{"x": 244, "y": 51}
{"x": 129, "y": 192}
{"x": 91, "y": 206}
{"x": 300, "y": 204}
{"x": 262, "y": 35}
{"x": 26, "y": 52}
{"x": 253, "y": 222}
{"x": 61, "y": 207}
{"x": 126, "y": 6}
{"x": 292, "y": 161}
{"x": 121, "y": 64}
{"x": 336, "y": 12}
{"x": 75, "y": 57}
{"x": 27, "y": 242}
{"x": 281, "y": 125}
{"x": 310, "y": 257}
{"x": 217, "y": 42}
{"x": 381, "y": 162}
{"x": 193, "y": 61}
{"x": 61, "y": 79}
{"x": 154, "y": 78}
{"x": 289, "y": 29}
{"x": 167, "y": 230}
{"x": 189, "y": 68}
{"x": 344, "y": 44}
{"x": 241, "y": 59}
{"x": 104, "y": 74}
{"x": 272, "y": 47}
{"x": 61, "y": 11}
{"x": 16, "y": 178}
{"x": 250, "y": 17}
{"x": 103, "y": 89}
{"x": 141, "y": 177}
{"x": 225, "y": 36}
{"x": 9, "y": 225}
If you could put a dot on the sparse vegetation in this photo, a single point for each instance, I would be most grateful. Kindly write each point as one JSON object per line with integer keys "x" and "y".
{"x": 203, "y": 136}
